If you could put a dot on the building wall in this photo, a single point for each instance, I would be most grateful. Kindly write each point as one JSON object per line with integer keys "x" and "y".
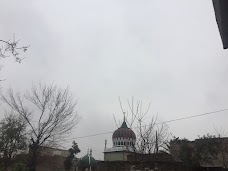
{"x": 116, "y": 156}
{"x": 140, "y": 166}
{"x": 51, "y": 159}
{"x": 50, "y": 163}
{"x": 48, "y": 151}
{"x": 155, "y": 157}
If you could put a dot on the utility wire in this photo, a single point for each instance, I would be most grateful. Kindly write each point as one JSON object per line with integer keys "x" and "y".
{"x": 193, "y": 116}
{"x": 173, "y": 120}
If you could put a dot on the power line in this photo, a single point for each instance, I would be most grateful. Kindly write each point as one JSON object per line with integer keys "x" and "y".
{"x": 194, "y": 116}
{"x": 93, "y": 135}
{"x": 173, "y": 120}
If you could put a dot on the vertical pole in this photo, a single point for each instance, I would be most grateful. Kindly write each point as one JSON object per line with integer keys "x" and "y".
{"x": 156, "y": 145}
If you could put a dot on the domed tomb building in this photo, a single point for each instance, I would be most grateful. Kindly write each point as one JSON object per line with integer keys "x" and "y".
{"x": 123, "y": 144}
{"x": 87, "y": 162}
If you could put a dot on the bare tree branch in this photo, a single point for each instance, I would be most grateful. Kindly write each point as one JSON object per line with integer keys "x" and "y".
{"x": 11, "y": 48}
{"x": 147, "y": 140}
{"x": 49, "y": 112}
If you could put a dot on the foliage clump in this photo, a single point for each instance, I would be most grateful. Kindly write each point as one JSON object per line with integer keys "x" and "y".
{"x": 69, "y": 160}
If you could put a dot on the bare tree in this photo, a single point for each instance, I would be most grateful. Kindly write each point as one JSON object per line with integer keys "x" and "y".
{"x": 151, "y": 137}
{"x": 49, "y": 112}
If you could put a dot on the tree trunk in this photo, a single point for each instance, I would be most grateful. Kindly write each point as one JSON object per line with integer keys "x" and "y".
{"x": 6, "y": 161}
{"x": 33, "y": 157}
{"x": 33, "y": 162}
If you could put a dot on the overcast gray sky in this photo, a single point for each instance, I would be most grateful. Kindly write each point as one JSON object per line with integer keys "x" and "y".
{"x": 166, "y": 52}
